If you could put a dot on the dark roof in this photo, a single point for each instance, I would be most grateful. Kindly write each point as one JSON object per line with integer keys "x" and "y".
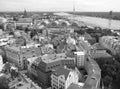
{"x": 101, "y": 55}
{"x": 62, "y": 71}
{"x": 98, "y": 46}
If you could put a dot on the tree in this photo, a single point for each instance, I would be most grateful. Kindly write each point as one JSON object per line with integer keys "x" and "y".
{"x": 1, "y": 26}
{"x": 107, "y": 80}
{"x": 4, "y": 83}
{"x": 7, "y": 67}
{"x": 27, "y": 29}
{"x": 33, "y": 33}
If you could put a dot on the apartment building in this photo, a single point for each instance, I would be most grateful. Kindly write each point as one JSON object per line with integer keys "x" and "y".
{"x": 18, "y": 55}
{"x": 62, "y": 78}
{"x": 111, "y": 43}
{"x": 44, "y": 65}
{"x": 80, "y": 58}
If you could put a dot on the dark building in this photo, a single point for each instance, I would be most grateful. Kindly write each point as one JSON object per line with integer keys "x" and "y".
{"x": 43, "y": 66}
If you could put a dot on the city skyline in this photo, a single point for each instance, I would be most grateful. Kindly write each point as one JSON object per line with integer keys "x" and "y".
{"x": 60, "y": 5}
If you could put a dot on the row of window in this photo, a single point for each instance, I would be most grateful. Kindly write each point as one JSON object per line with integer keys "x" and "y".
{"x": 55, "y": 80}
{"x": 53, "y": 66}
{"x": 112, "y": 43}
{"x": 58, "y": 87}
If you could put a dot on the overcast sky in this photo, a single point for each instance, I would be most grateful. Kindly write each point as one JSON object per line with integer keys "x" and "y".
{"x": 59, "y": 5}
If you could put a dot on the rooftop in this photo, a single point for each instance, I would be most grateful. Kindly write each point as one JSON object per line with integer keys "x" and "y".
{"x": 101, "y": 55}
{"x": 74, "y": 86}
{"x": 98, "y": 46}
{"x": 31, "y": 60}
{"x": 23, "y": 82}
{"x": 62, "y": 71}
{"x": 49, "y": 58}
{"x": 24, "y": 20}
{"x": 84, "y": 44}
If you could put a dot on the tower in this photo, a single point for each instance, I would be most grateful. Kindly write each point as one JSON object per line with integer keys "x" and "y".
{"x": 74, "y": 9}
{"x": 25, "y": 13}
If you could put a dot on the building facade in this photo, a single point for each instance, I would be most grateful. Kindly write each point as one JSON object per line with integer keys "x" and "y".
{"x": 80, "y": 59}
{"x": 19, "y": 55}
{"x": 111, "y": 43}
{"x": 46, "y": 64}
{"x": 62, "y": 78}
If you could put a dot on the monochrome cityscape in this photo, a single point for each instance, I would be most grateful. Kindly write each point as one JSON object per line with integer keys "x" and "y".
{"x": 59, "y": 49}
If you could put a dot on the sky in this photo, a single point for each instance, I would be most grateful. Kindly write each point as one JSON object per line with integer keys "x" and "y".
{"x": 59, "y": 5}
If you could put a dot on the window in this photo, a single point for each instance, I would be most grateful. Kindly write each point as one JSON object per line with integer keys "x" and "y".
{"x": 27, "y": 50}
{"x": 93, "y": 78}
{"x": 23, "y": 57}
{"x": 87, "y": 59}
{"x": 19, "y": 85}
{"x": 33, "y": 55}
{"x": 33, "y": 51}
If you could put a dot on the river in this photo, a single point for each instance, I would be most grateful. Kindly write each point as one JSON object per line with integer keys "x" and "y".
{"x": 94, "y": 21}
{"x": 100, "y": 22}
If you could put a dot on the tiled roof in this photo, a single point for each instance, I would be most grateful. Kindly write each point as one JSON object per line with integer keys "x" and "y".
{"x": 62, "y": 71}
{"x": 98, "y": 46}
{"x": 24, "y": 20}
{"x": 101, "y": 55}
{"x": 85, "y": 45}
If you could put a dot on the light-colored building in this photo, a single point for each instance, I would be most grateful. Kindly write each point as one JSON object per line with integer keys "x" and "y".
{"x": 29, "y": 63}
{"x": 24, "y": 22}
{"x": 85, "y": 46}
{"x": 80, "y": 58}
{"x": 94, "y": 74}
{"x": 62, "y": 78}
{"x": 111, "y": 43}
{"x": 47, "y": 49}
{"x": 70, "y": 41}
{"x": 44, "y": 65}
{"x": 1, "y": 63}
{"x": 18, "y": 55}
{"x": 6, "y": 39}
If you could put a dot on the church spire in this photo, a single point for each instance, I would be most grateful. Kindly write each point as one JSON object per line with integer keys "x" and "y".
{"x": 25, "y": 13}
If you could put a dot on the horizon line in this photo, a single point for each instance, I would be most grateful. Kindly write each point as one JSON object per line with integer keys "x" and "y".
{"x": 56, "y": 11}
